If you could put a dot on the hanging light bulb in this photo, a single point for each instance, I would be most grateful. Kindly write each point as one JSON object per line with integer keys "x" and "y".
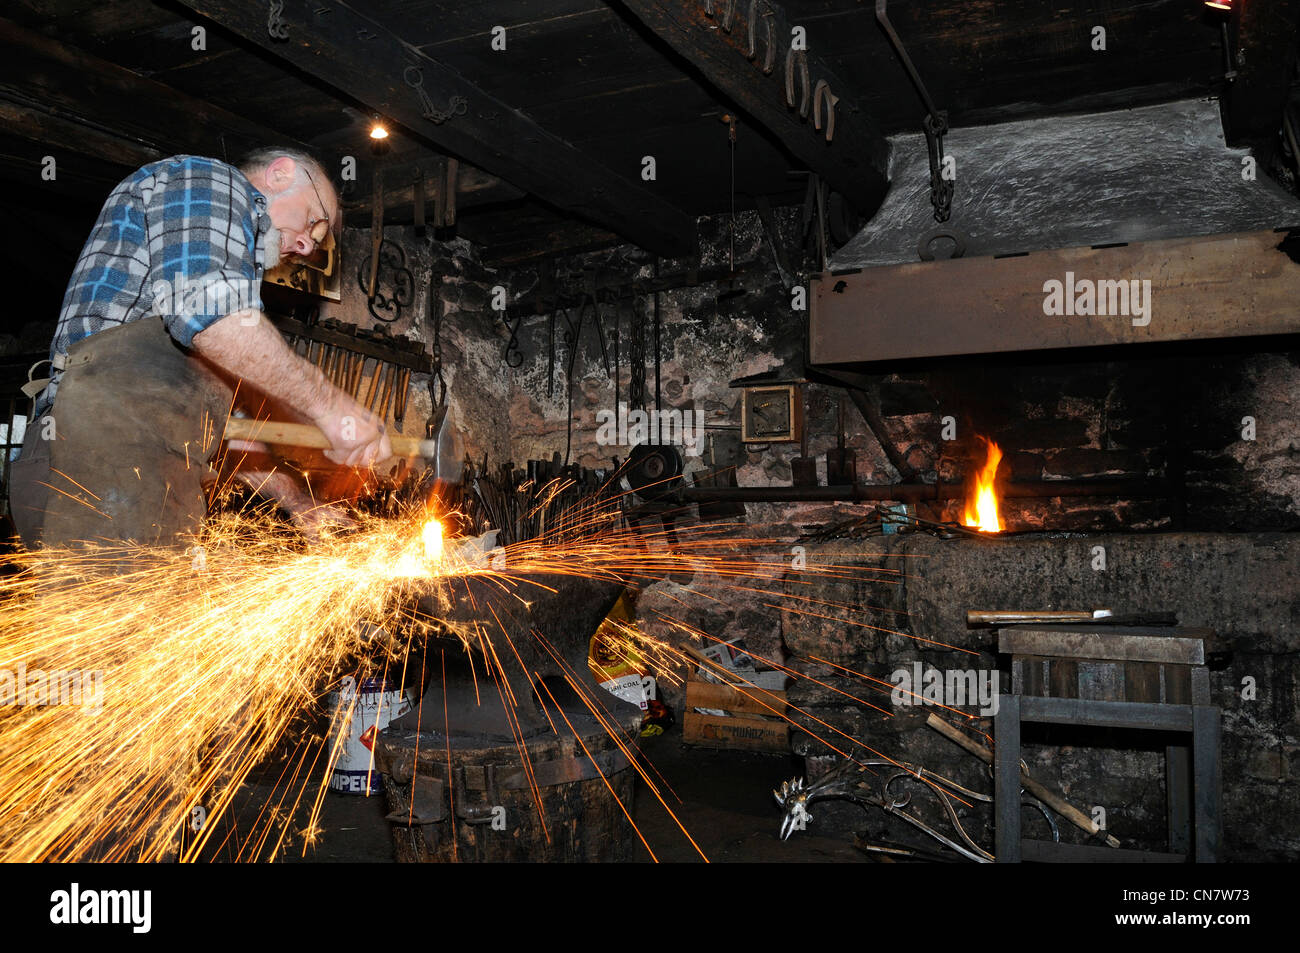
{"x": 378, "y": 137}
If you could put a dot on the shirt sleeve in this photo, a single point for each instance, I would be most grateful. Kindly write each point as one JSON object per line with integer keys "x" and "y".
{"x": 202, "y": 240}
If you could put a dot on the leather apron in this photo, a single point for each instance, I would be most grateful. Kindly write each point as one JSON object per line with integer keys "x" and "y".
{"x": 123, "y": 453}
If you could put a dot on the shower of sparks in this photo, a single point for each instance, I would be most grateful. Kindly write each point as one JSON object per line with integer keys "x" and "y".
{"x": 157, "y": 679}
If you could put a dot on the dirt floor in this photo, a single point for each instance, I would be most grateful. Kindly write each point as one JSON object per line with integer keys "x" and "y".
{"x": 726, "y": 805}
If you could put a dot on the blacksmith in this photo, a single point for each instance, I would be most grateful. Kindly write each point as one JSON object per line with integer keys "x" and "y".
{"x": 161, "y": 326}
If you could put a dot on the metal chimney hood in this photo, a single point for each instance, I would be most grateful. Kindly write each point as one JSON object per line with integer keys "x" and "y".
{"x": 1120, "y": 227}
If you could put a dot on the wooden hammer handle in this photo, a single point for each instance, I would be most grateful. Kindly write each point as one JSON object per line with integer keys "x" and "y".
{"x": 305, "y": 435}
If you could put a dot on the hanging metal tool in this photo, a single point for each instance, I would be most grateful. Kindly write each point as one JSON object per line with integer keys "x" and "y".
{"x": 392, "y": 287}
{"x": 547, "y": 303}
{"x": 936, "y": 124}
{"x": 618, "y": 311}
{"x": 658, "y": 351}
{"x": 448, "y": 183}
{"x": 514, "y": 357}
{"x": 437, "y": 384}
{"x": 636, "y": 396}
{"x": 413, "y": 76}
{"x": 417, "y": 195}
{"x": 774, "y": 240}
{"x": 814, "y": 221}
{"x": 550, "y": 354}
{"x": 376, "y": 232}
{"x": 596, "y": 317}
{"x": 572, "y": 335}
{"x": 841, "y": 463}
{"x": 731, "y": 221}
{"x": 734, "y": 290}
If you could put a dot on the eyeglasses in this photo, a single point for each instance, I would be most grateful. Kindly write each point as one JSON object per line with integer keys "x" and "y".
{"x": 317, "y": 228}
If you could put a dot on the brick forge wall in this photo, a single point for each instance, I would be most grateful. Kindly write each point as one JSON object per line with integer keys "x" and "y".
{"x": 1181, "y": 416}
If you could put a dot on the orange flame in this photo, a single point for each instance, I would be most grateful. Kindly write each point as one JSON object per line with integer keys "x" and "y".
{"x": 982, "y": 504}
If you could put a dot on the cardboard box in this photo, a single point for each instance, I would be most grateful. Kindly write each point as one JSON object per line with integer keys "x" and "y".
{"x": 751, "y": 718}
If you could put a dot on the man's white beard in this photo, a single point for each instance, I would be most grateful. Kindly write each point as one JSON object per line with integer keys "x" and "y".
{"x": 271, "y": 249}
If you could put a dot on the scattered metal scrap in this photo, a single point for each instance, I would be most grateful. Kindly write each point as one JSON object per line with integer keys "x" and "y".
{"x": 848, "y": 781}
{"x": 882, "y": 520}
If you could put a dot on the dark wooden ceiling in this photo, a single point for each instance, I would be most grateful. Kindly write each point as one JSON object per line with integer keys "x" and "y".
{"x": 586, "y": 72}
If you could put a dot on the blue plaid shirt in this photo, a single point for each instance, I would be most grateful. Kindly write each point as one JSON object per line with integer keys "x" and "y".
{"x": 182, "y": 239}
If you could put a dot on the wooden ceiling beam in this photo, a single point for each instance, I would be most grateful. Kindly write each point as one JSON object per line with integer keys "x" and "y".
{"x": 745, "y": 51}
{"x": 52, "y": 90}
{"x": 367, "y": 62}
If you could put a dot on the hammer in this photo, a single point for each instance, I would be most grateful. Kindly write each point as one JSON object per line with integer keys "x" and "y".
{"x": 439, "y": 451}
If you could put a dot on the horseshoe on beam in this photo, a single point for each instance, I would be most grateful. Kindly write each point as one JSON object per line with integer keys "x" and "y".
{"x": 822, "y": 94}
{"x": 804, "y": 100}
{"x": 769, "y": 45}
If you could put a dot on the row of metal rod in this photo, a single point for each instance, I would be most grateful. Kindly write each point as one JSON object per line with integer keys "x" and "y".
{"x": 390, "y": 385}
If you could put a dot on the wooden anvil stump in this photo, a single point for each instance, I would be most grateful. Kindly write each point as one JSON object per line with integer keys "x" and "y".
{"x": 507, "y": 761}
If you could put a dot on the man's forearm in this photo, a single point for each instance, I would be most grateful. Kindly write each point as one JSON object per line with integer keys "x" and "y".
{"x": 248, "y": 346}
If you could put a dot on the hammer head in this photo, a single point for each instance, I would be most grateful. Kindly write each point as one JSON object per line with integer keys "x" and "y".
{"x": 444, "y": 457}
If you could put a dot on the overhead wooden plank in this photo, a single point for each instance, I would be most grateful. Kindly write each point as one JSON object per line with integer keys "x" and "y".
{"x": 1179, "y": 646}
{"x": 745, "y": 51}
{"x": 1213, "y": 287}
{"x": 58, "y": 134}
{"x": 145, "y": 117}
{"x": 368, "y": 62}
{"x": 1262, "y": 37}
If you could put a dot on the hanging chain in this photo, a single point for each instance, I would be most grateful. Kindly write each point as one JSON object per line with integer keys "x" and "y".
{"x": 636, "y": 357}
{"x": 275, "y": 27}
{"x": 437, "y": 384}
{"x": 731, "y": 222}
{"x": 936, "y": 127}
{"x": 456, "y": 106}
